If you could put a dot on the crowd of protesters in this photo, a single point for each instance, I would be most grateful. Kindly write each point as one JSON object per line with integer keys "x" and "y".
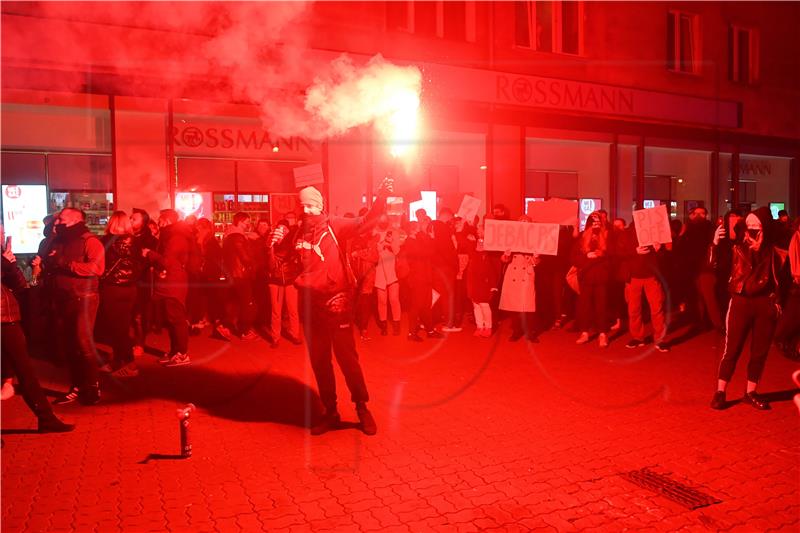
{"x": 734, "y": 276}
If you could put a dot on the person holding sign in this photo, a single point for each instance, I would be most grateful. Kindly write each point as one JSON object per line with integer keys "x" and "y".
{"x": 518, "y": 292}
{"x": 590, "y": 257}
{"x": 644, "y": 278}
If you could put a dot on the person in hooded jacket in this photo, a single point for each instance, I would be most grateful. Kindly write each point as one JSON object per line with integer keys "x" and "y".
{"x": 755, "y": 284}
{"x": 327, "y": 291}
{"x": 283, "y": 268}
{"x": 171, "y": 262}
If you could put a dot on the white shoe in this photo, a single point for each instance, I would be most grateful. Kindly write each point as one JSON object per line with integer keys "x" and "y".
{"x": 617, "y": 325}
{"x": 583, "y": 339}
{"x": 7, "y": 390}
{"x": 603, "y": 341}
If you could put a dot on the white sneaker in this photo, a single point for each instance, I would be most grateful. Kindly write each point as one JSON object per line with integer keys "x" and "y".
{"x": 179, "y": 359}
{"x": 7, "y": 390}
{"x": 603, "y": 341}
{"x": 617, "y": 325}
{"x": 583, "y": 339}
{"x": 452, "y": 329}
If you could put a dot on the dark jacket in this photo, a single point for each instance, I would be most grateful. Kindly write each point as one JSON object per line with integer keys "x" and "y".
{"x": 591, "y": 271}
{"x": 636, "y": 265}
{"x": 419, "y": 251}
{"x": 76, "y": 260}
{"x": 123, "y": 260}
{"x": 693, "y": 247}
{"x": 238, "y": 257}
{"x": 171, "y": 260}
{"x": 13, "y": 282}
{"x": 211, "y": 269}
{"x": 445, "y": 258}
{"x": 283, "y": 261}
{"x": 758, "y": 273}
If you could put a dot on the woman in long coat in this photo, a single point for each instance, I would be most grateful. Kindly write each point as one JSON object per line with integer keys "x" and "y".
{"x": 518, "y": 293}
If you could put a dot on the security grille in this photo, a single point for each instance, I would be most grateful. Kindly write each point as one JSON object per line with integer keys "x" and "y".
{"x": 669, "y": 488}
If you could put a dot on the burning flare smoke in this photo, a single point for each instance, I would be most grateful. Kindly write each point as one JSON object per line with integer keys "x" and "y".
{"x": 380, "y": 92}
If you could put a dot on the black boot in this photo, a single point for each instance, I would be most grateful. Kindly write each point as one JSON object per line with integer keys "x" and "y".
{"x": 368, "y": 425}
{"x": 329, "y": 422}
{"x": 49, "y": 423}
{"x": 382, "y": 327}
{"x": 89, "y": 395}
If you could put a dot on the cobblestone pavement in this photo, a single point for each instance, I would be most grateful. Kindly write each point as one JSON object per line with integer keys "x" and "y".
{"x": 474, "y": 434}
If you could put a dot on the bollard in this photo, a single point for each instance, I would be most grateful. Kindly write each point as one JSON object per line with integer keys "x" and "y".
{"x": 183, "y": 422}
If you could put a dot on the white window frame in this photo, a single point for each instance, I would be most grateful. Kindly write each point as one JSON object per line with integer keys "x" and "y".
{"x": 557, "y": 45}
{"x": 676, "y": 39}
{"x": 470, "y": 31}
{"x": 754, "y": 54}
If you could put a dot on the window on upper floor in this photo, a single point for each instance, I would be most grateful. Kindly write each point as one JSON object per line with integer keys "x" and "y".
{"x": 742, "y": 55}
{"x": 683, "y": 42}
{"x": 443, "y": 19}
{"x": 549, "y": 26}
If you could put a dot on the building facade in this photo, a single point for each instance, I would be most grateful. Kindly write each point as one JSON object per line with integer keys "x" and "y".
{"x": 617, "y": 105}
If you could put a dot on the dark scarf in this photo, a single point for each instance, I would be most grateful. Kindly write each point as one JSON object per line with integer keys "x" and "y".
{"x": 66, "y": 234}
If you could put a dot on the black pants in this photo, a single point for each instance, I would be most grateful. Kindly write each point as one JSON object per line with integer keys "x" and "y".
{"x": 364, "y": 305}
{"x": 326, "y": 331}
{"x": 703, "y": 301}
{"x": 593, "y": 307}
{"x": 142, "y": 314}
{"x": 242, "y": 306}
{"x": 76, "y": 324}
{"x": 15, "y": 355}
{"x": 174, "y": 313}
{"x": 789, "y": 324}
{"x": 115, "y": 317}
{"x": 419, "y": 310}
{"x": 444, "y": 283}
{"x": 748, "y": 315}
{"x": 524, "y": 324}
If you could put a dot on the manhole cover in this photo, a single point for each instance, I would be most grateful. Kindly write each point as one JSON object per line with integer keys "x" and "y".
{"x": 669, "y": 488}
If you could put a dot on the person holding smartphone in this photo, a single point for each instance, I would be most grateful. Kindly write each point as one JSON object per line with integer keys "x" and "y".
{"x": 755, "y": 283}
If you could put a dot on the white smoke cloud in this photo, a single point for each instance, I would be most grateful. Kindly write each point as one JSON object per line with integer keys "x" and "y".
{"x": 250, "y": 52}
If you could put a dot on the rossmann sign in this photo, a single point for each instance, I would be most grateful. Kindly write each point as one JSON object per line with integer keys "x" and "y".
{"x": 237, "y": 140}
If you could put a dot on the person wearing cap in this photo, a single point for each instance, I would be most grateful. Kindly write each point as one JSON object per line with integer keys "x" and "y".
{"x": 755, "y": 285}
{"x": 327, "y": 290}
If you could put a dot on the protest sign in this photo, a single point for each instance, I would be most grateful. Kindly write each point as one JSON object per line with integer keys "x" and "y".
{"x": 525, "y": 237}
{"x": 308, "y": 175}
{"x": 652, "y": 225}
{"x": 469, "y": 208}
{"x": 554, "y": 211}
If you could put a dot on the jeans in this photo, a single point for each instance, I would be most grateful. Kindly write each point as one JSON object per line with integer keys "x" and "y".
{"x": 281, "y": 295}
{"x": 593, "y": 307}
{"x": 655, "y": 300}
{"x": 78, "y": 315}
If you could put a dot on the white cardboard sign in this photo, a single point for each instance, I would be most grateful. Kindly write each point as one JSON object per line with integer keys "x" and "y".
{"x": 308, "y": 175}
{"x": 652, "y": 225}
{"x": 469, "y": 208}
{"x": 525, "y": 237}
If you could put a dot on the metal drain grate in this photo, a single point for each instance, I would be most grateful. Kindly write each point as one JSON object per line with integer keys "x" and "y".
{"x": 669, "y": 488}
